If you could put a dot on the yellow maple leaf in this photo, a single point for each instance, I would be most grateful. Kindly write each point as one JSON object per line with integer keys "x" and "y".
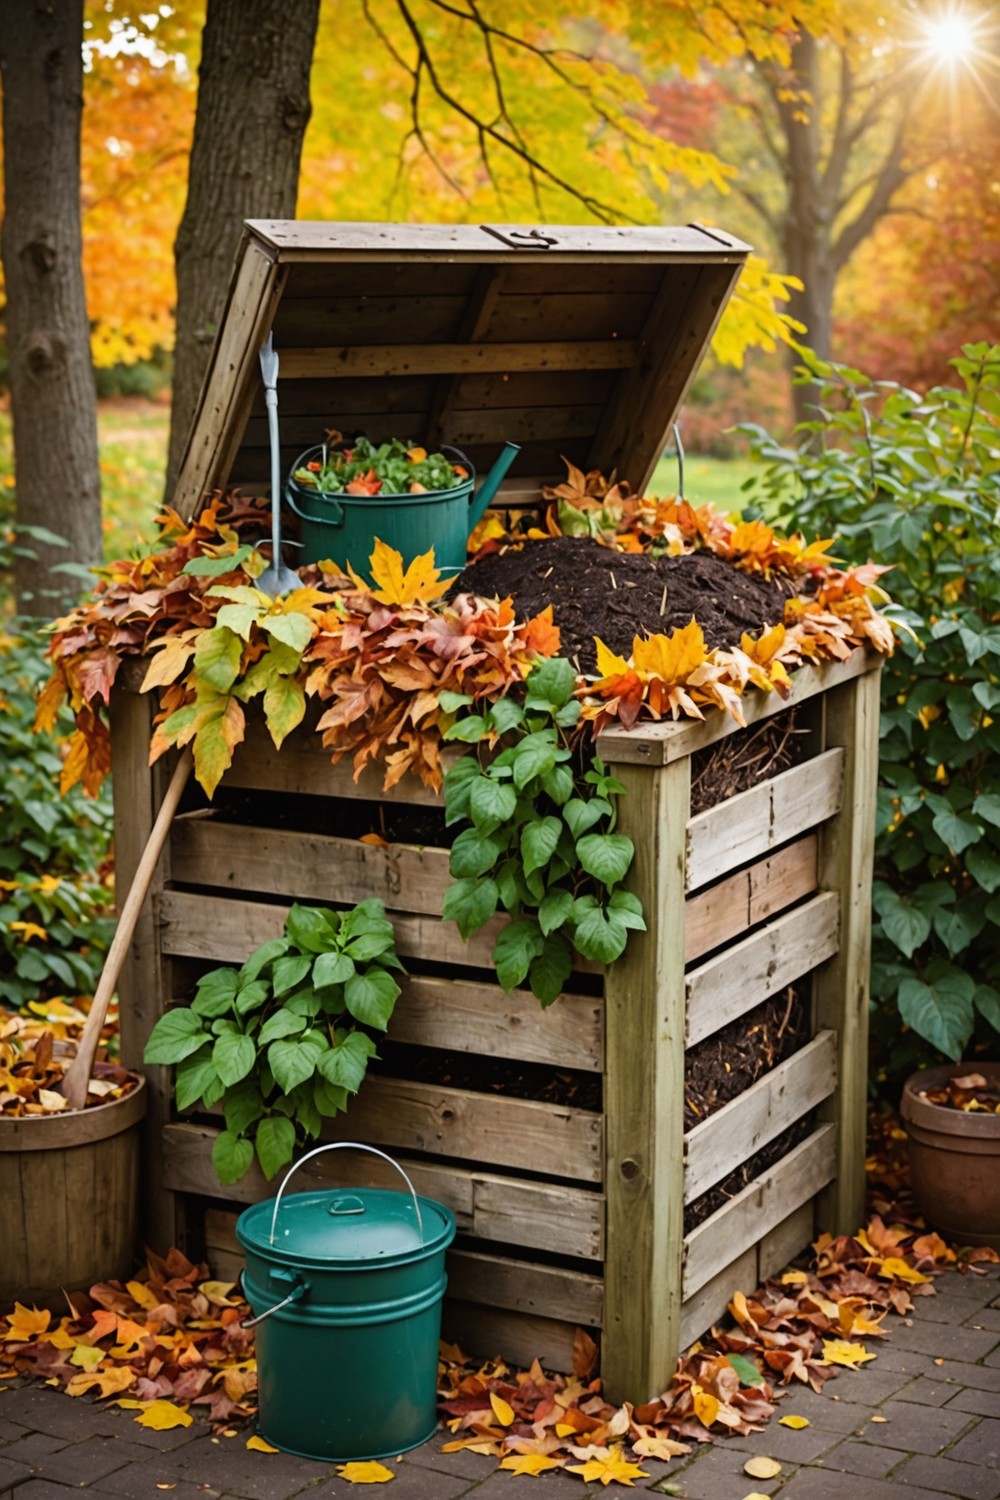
{"x": 609, "y": 1466}
{"x": 258, "y": 1445}
{"x": 529, "y": 1463}
{"x": 896, "y": 1267}
{"x": 673, "y": 657}
{"x": 608, "y": 664}
{"x": 706, "y": 1406}
{"x": 218, "y": 1292}
{"x": 796, "y": 1423}
{"x": 419, "y": 584}
{"x": 840, "y": 1352}
{"x": 502, "y": 1409}
{"x": 26, "y": 1323}
{"x": 365, "y": 1473}
{"x": 106, "y": 1382}
{"x": 161, "y": 1416}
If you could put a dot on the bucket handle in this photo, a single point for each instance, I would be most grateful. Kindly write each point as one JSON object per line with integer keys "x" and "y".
{"x": 335, "y": 518}
{"x": 293, "y": 1296}
{"x": 466, "y": 461}
{"x": 343, "y": 1146}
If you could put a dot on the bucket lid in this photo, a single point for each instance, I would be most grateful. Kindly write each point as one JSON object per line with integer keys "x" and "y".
{"x": 347, "y": 1226}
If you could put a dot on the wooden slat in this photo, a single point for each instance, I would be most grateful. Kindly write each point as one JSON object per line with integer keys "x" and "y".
{"x": 458, "y": 1016}
{"x": 475, "y": 1128}
{"x": 780, "y": 1245}
{"x": 303, "y": 765}
{"x": 731, "y": 1136}
{"x": 756, "y": 820}
{"x": 752, "y": 895}
{"x": 727, "y": 986}
{"x": 456, "y": 359}
{"x": 145, "y": 976}
{"x": 707, "y": 1305}
{"x": 534, "y": 1215}
{"x": 280, "y": 862}
{"x": 231, "y": 378}
{"x": 516, "y": 1338}
{"x": 637, "y": 422}
{"x": 842, "y": 988}
{"x": 541, "y": 1291}
{"x": 762, "y": 1205}
{"x": 226, "y": 930}
{"x": 661, "y": 744}
{"x": 644, "y": 1097}
{"x": 787, "y": 1240}
{"x": 321, "y": 241}
{"x": 364, "y": 320}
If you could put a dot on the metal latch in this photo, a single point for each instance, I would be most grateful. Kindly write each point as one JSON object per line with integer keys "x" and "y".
{"x": 521, "y": 239}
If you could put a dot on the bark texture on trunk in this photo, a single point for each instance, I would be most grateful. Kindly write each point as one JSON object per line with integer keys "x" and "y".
{"x": 53, "y": 401}
{"x": 253, "y": 108}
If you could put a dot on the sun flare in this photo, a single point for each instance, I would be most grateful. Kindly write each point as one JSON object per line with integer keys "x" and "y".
{"x": 952, "y": 38}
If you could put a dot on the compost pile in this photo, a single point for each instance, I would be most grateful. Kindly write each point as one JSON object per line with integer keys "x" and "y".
{"x": 619, "y": 595}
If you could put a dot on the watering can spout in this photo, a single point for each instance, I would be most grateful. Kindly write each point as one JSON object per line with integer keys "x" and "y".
{"x": 491, "y": 483}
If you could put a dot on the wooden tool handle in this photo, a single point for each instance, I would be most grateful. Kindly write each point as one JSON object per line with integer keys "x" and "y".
{"x": 77, "y": 1078}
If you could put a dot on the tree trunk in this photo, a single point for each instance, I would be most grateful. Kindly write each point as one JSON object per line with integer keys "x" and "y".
{"x": 53, "y": 401}
{"x": 253, "y": 108}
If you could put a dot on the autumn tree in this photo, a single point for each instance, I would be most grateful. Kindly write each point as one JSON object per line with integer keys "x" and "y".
{"x": 53, "y": 402}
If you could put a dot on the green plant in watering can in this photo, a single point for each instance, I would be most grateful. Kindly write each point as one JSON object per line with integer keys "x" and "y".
{"x": 283, "y": 1041}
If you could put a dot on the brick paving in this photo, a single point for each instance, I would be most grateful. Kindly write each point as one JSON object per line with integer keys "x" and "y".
{"x": 936, "y": 1384}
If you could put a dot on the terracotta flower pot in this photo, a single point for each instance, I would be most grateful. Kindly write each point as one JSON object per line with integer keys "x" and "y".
{"x": 954, "y": 1158}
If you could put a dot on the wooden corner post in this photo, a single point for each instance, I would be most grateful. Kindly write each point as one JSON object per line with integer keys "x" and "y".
{"x": 842, "y": 985}
{"x": 143, "y": 982}
{"x": 644, "y": 1095}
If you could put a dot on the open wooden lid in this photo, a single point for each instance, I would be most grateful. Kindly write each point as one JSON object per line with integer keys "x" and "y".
{"x": 570, "y": 340}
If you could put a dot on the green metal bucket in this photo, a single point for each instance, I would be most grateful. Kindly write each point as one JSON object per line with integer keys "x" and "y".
{"x": 343, "y": 527}
{"x": 346, "y": 1289}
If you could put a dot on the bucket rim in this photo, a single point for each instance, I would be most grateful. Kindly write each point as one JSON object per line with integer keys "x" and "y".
{"x": 261, "y": 1245}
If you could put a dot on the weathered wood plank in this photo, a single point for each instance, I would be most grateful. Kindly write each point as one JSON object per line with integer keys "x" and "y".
{"x": 742, "y": 976}
{"x": 707, "y": 1305}
{"x": 762, "y": 1205}
{"x": 231, "y": 377}
{"x": 731, "y": 1136}
{"x": 847, "y": 847}
{"x": 208, "y": 851}
{"x": 472, "y": 1127}
{"x": 541, "y": 1291}
{"x": 303, "y": 765}
{"x": 516, "y": 1338}
{"x": 145, "y": 976}
{"x": 464, "y": 429}
{"x": 455, "y": 359}
{"x": 323, "y": 242}
{"x": 644, "y": 1096}
{"x": 752, "y": 895}
{"x": 505, "y": 1210}
{"x": 637, "y": 422}
{"x": 226, "y": 930}
{"x": 787, "y": 1240}
{"x": 756, "y": 820}
{"x": 659, "y": 744}
{"x": 459, "y": 1016}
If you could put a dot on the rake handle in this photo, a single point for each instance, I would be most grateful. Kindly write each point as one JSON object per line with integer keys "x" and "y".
{"x": 77, "y": 1078}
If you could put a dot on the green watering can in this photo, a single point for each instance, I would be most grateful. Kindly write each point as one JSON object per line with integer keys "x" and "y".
{"x": 343, "y": 527}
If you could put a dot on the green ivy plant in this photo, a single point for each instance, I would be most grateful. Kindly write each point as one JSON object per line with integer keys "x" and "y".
{"x": 913, "y": 480}
{"x": 539, "y": 840}
{"x": 283, "y": 1041}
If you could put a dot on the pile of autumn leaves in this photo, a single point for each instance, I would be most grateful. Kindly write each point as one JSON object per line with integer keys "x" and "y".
{"x": 170, "y": 1345}
{"x": 379, "y": 657}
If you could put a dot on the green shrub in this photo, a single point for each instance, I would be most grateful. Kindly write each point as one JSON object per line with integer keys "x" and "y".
{"x": 914, "y": 481}
{"x": 55, "y": 922}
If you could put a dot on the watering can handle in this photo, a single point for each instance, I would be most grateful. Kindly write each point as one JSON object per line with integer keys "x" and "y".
{"x": 343, "y": 1146}
{"x": 450, "y": 448}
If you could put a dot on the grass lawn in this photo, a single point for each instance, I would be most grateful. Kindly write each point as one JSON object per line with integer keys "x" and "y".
{"x": 716, "y": 480}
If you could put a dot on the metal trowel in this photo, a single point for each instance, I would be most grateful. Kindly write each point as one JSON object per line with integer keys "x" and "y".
{"x": 276, "y": 578}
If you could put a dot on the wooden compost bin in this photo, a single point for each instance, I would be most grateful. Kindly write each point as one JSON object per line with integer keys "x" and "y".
{"x": 567, "y": 1215}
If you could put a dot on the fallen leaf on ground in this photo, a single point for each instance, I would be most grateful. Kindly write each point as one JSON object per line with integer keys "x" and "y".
{"x": 762, "y": 1468}
{"x": 530, "y": 1463}
{"x": 611, "y": 1467}
{"x": 365, "y": 1473}
{"x": 260, "y": 1445}
{"x": 840, "y": 1352}
{"x": 796, "y": 1423}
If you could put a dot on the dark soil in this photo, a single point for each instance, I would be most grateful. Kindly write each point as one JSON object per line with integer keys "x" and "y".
{"x": 709, "y": 1203}
{"x": 619, "y": 595}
